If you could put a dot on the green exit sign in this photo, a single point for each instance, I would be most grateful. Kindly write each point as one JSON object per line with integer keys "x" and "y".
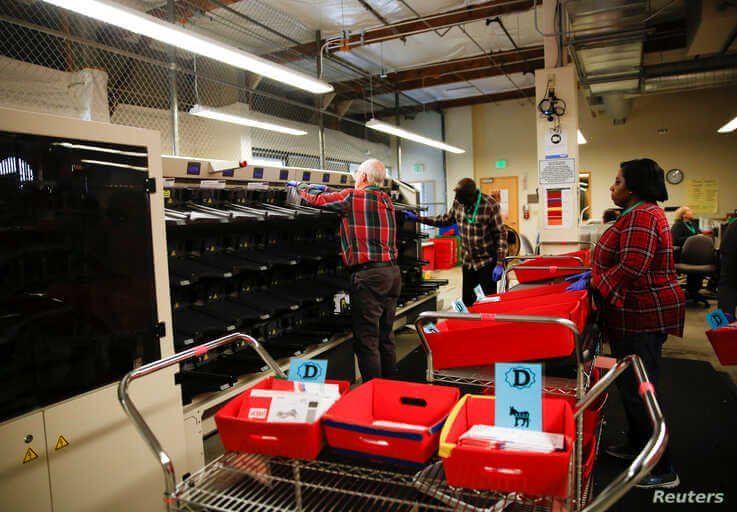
{"x": 501, "y": 164}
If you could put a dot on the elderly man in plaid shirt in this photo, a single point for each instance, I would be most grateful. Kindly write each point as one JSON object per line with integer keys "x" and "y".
{"x": 483, "y": 237}
{"x": 368, "y": 241}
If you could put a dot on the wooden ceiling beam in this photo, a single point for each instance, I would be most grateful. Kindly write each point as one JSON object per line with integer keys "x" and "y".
{"x": 528, "y": 92}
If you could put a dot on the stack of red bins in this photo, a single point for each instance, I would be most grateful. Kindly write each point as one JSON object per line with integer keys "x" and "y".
{"x": 390, "y": 421}
{"x": 428, "y": 254}
{"x": 569, "y": 259}
{"x": 446, "y": 252}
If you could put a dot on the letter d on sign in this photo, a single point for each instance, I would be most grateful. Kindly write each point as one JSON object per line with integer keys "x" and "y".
{"x": 308, "y": 370}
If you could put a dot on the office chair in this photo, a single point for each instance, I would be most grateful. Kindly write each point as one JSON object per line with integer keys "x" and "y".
{"x": 697, "y": 261}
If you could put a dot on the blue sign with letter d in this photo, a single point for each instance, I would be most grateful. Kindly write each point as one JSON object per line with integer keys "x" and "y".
{"x": 308, "y": 370}
{"x": 519, "y": 399}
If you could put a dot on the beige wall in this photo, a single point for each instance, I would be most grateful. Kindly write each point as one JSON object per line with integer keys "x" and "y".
{"x": 692, "y": 143}
{"x": 458, "y": 132}
{"x": 506, "y": 130}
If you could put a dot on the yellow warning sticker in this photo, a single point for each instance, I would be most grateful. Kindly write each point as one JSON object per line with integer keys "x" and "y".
{"x": 167, "y": 193}
{"x": 61, "y": 443}
{"x": 30, "y": 455}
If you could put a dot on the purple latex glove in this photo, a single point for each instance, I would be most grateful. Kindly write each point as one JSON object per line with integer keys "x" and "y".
{"x": 293, "y": 183}
{"x": 582, "y": 275}
{"x": 410, "y": 215}
{"x": 497, "y": 273}
{"x": 318, "y": 187}
{"x": 579, "y": 281}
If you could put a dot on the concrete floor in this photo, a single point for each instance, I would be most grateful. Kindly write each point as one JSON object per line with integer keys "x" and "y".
{"x": 693, "y": 345}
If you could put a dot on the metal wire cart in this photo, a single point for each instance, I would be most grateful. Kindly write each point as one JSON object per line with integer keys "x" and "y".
{"x": 236, "y": 481}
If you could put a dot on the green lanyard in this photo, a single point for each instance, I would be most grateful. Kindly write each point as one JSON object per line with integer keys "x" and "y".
{"x": 690, "y": 227}
{"x": 627, "y": 210}
{"x": 731, "y": 220}
{"x": 472, "y": 220}
{"x": 372, "y": 187}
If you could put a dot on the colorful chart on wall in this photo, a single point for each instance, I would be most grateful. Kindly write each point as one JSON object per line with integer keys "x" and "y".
{"x": 558, "y": 207}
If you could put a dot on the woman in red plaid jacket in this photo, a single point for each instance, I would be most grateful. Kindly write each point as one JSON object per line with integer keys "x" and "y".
{"x": 634, "y": 272}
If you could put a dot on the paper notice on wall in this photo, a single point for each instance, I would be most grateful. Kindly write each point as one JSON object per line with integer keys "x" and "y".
{"x": 556, "y": 143}
{"x": 504, "y": 203}
{"x": 557, "y": 172}
{"x": 703, "y": 195}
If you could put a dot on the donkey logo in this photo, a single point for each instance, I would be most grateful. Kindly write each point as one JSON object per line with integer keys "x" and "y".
{"x": 521, "y": 418}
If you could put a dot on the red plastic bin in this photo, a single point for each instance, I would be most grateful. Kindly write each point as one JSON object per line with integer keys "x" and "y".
{"x": 296, "y": 440}
{"x": 460, "y": 343}
{"x": 446, "y": 252}
{"x": 568, "y": 259}
{"x": 724, "y": 342}
{"x": 472, "y": 465}
{"x": 535, "y": 291}
{"x": 390, "y": 421}
{"x": 428, "y": 254}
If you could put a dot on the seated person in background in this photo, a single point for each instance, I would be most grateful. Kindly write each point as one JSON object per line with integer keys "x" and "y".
{"x": 727, "y": 291}
{"x": 682, "y": 228}
{"x": 611, "y": 215}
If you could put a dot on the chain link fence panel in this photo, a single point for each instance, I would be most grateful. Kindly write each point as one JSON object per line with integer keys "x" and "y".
{"x": 56, "y": 61}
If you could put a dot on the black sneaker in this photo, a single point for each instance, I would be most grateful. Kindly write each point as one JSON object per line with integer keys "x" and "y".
{"x": 624, "y": 451}
{"x": 663, "y": 481}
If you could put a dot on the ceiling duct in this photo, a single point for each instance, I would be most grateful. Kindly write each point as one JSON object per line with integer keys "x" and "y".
{"x": 711, "y": 25}
{"x": 617, "y": 107}
{"x": 691, "y": 81}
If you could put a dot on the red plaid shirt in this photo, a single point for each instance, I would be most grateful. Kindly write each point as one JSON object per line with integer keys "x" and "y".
{"x": 368, "y": 231}
{"x": 634, "y": 271}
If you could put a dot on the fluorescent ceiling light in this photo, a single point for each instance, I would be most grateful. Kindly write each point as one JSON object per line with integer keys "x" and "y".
{"x": 168, "y": 33}
{"x": 114, "y": 164}
{"x": 375, "y": 124}
{"x": 199, "y": 110}
{"x": 98, "y": 149}
{"x": 581, "y": 139}
{"x": 729, "y": 127}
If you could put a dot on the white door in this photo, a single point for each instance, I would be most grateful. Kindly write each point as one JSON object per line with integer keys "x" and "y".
{"x": 24, "y": 474}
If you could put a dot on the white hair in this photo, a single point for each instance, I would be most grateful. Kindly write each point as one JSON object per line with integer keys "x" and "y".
{"x": 374, "y": 170}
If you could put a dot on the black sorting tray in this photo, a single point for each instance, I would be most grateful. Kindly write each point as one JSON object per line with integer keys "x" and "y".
{"x": 232, "y": 312}
{"x": 192, "y": 326}
{"x": 193, "y": 270}
{"x": 264, "y": 301}
{"x": 232, "y": 263}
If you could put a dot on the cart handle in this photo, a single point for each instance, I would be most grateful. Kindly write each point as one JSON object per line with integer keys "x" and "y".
{"x": 425, "y": 316}
{"x": 653, "y": 449}
{"x": 143, "y": 429}
{"x": 564, "y": 242}
{"x": 550, "y": 268}
{"x": 507, "y": 259}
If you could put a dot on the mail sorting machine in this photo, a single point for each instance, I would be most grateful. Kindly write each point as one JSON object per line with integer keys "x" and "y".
{"x": 243, "y": 481}
{"x": 243, "y": 257}
{"x": 84, "y": 299}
